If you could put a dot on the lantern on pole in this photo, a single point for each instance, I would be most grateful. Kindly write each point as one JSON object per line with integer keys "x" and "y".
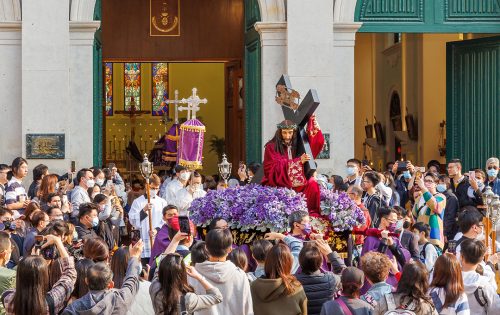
{"x": 146, "y": 169}
{"x": 225, "y": 169}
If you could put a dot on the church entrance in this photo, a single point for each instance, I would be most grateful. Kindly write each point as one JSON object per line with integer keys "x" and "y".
{"x": 156, "y": 53}
{"x": 414, "y": 64}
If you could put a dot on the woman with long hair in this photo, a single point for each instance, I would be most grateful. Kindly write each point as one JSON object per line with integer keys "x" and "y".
{"x": 15, "y": 193}
{"x": 170, "y": 292}
{"x": 447, "y": 286}
{"x": 48, "y": 186}
{"x": 411, "y": 293}
{"x": 279, "y": 292}
{"x": 32, "y": 294}
{"x": 119, "y": 265}
{"x": 25, "y": 226}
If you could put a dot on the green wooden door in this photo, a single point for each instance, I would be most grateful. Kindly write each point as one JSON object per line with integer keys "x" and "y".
{"x": 252, "y": 79}
{"x": 473, "y": 100}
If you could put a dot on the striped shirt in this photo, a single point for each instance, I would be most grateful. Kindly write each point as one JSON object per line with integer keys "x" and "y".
{"x": 14, "y": 189}
{"x": 460, "y": 307}
{"x": 429, "y": 212}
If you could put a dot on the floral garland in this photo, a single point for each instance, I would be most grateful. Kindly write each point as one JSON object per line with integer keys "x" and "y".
{"x": 250, "y": 207}
{"x": 339, "y": 210}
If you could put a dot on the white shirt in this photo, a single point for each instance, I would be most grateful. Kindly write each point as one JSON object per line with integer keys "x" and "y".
{"x": 185, "y": 198}
{"x": 157, "y": 219}
{"x": 171, "y": 191}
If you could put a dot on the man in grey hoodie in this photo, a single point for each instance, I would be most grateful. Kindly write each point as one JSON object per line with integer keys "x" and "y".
{"x": 480, "y": 289}
{"x": 102, "y": 298}
{"x": 225, "y": 276}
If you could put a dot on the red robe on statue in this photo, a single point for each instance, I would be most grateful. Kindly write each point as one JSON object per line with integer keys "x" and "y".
{"x": 282, "y": 170}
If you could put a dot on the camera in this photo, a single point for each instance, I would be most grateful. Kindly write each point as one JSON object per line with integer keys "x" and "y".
{"x": 8, "y": 225}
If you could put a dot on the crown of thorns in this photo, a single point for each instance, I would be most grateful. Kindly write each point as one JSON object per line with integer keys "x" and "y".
{"x": 286, "y": 126}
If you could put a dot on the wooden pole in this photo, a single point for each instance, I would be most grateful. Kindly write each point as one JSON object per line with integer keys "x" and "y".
{"x": 487, "y": 231}
{"x": 150, "y": 214}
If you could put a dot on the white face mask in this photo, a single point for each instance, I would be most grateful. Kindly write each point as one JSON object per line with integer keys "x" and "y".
{"x": 90, "y": 183}
{"x": 100, "y": 182}
{"x": 185, "y": 176}
{"x": 481, "y": 237}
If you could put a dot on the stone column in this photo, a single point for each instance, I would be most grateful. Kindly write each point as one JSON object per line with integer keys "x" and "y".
{"x": 81, "y": 35}
{"x": 310, "y": 66}
{"x": 342, "y": 144}
{"x": 10, "y": 87}
{"x": 45, "y": 74}
{"x": 273, "y": 43}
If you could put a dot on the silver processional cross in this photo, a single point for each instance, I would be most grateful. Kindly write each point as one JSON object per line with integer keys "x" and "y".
{"x": 193, "y": 103}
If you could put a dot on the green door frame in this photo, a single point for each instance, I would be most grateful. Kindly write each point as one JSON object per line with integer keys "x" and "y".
{"x": 428, "y": 16}
{"x": 253, "y": 84}
{"x": 472, "y": 100}
{"x": 98, "y": 110}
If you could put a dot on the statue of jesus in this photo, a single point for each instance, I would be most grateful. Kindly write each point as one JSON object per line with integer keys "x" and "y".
{"x": 282, "y": 166}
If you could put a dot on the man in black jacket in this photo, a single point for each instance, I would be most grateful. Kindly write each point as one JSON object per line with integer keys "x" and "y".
{"x": 450, "y": 218}
{"x": 460, "y": 185}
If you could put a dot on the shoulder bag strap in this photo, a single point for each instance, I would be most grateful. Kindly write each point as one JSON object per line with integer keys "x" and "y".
{"x": 343, "y": 306}
{"x": 183, "y": 305}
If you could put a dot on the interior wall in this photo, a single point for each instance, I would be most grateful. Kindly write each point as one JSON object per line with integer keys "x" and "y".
{"x": 209, "y": 80}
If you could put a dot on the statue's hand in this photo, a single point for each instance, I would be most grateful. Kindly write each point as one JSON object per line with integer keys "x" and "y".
{"x": 304, "y": 158}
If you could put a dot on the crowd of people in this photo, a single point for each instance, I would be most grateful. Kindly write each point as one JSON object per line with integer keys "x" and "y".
{"x": 81, "y": 243}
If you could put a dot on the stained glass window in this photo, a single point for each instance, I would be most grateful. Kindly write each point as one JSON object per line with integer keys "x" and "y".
{"x": 108, "y": 70}
{"x": 132, "y": 85}
{"x": 160, "y": 88}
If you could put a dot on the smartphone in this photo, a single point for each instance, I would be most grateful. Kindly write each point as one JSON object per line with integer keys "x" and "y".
{"x": 452, "y": 246}
{"x": 135, "y": 236}
{"x": 184, "y": 226}
{"x": 73, "y": 166}
{"x": 402, "y": 166}
{"x": 472, "y": 174}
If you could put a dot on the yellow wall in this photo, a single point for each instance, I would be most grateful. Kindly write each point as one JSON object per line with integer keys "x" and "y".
{"x": 363, "y": 92}
{"x": 207, "y": 77}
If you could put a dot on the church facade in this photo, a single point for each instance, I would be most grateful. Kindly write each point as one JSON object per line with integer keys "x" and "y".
{"x": 53, "y": 76}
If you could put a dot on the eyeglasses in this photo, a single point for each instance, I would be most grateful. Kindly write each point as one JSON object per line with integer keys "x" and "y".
{"x": 429, "y": 181}
{"x": 493, "y": 167}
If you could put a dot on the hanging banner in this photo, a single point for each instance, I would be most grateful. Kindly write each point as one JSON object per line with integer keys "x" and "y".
{"x": 165, "y": 17}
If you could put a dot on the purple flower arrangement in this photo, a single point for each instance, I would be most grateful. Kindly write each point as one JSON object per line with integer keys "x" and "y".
{"x": 250, "y": 207}
{"x": 340, "y": 210}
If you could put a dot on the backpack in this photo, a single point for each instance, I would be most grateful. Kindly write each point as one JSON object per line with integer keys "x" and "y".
{"x": 422, "y": 253}
{"x": 403, "y": 309}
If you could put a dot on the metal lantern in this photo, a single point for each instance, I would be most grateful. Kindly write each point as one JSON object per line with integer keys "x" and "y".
{"x": 146, "y": 168}
{"x": 495, "y": 209}
{"x": 487, "y": 195}
{"x": 225, "y": 169}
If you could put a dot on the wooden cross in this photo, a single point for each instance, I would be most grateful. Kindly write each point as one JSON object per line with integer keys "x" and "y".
{"x": 176, "y": 102}
{"x": 299, "y": 114}
{"x": 193, "y": 103}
